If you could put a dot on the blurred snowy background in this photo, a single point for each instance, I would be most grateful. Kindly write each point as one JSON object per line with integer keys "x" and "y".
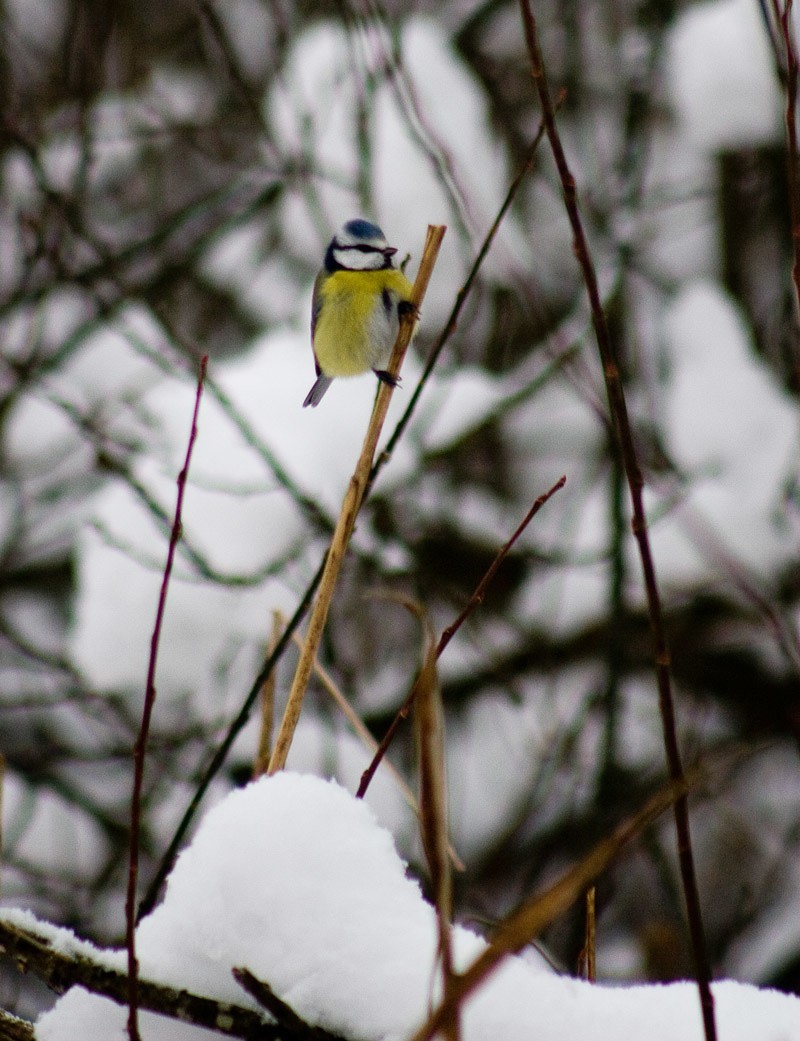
{"x": 169, "y": 178}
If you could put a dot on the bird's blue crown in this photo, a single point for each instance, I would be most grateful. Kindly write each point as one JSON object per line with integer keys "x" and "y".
{"x": 363, "y": 229}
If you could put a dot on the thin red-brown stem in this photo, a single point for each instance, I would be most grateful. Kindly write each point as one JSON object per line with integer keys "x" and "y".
{"x": 791, "y": 140}
{"x": 140, "y": 747}
{"x": 619, "y": 412}
{"x": 447, "y": 634}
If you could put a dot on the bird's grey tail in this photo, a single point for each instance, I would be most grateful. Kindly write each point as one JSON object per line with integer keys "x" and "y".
{"x": 317, "y": 392}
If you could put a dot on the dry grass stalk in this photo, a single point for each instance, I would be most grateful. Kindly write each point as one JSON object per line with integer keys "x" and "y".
{"x": 589, "y": 952}
{"x": 429, "y": 727}
{"x": 261, "y": 763}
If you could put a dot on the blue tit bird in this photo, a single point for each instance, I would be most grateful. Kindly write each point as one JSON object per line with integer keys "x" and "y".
{"x": 358, "y": 299}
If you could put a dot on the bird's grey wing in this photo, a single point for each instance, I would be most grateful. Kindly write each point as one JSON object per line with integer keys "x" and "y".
{"x": 316, "y": 307}
{"x": 316, "y": 301}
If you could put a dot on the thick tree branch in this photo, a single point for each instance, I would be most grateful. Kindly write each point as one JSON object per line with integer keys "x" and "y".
{"x": 61, "y": 970}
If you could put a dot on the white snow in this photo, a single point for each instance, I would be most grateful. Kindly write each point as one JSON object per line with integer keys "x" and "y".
{"x": 732, "y": 431}
{"x": 722, "y": 75}
{"x": 43, "y": 828}
{"x": 292, "y": 878}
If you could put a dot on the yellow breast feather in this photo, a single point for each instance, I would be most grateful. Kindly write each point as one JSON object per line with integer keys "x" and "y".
{"x": 358, "y": 320}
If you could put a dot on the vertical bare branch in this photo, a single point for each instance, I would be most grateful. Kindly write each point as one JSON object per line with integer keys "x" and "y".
{"x": 619, "y": 412}
{"x": 140, "y": 747}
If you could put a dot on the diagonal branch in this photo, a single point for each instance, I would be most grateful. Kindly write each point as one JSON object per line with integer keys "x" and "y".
{"x": 447, "y": 634}
{"x": 62, "y": 966}
{"x": 347, "y": 517}
{"x": 525, "y": 924}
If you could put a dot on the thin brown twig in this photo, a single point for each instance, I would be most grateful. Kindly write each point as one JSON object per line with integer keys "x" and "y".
{"x": 447, "y": 634}
{"x": 619, "y": 412}
{"x": 480, "y": 590}
{"x": 350, "y": 507}
{"x": 140, "y": 747}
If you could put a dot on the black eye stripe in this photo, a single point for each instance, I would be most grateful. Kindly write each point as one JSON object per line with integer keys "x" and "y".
{"x": 362, "y": 247}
